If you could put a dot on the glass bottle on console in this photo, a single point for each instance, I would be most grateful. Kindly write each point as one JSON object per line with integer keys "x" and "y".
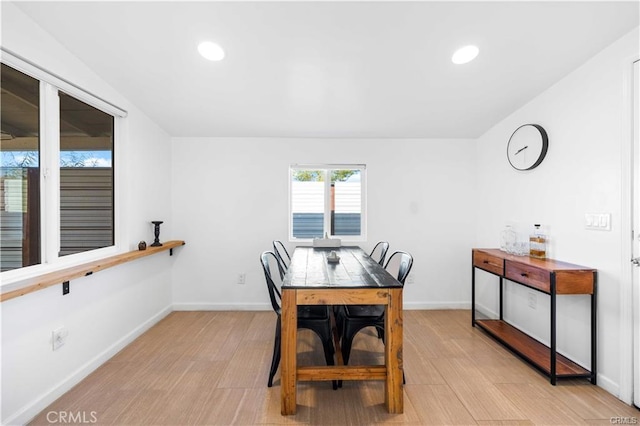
{"x": 508, "y": 239}
{"x": 538, "y": 243}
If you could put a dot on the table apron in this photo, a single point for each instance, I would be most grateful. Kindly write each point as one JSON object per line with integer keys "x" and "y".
{"x": 373, "y": 296}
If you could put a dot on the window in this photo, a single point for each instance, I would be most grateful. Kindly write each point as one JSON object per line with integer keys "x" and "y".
{"x": 86, "y": 177}
{"x": 56, "y": 171}
{"x": 327, "y": 200}
{"x": 19, "y": 170}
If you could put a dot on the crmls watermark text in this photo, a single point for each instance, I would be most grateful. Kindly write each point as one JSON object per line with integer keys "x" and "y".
{"x": 71, "y": 417}
{"x": 623, "y": 420}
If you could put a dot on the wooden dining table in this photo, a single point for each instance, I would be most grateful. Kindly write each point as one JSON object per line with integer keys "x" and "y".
{"x": 356, "y": 279}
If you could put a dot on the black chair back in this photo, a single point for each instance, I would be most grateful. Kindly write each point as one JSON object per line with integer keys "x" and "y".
{"x": 379, "y": 252}
{"x": 283, "y": 261}
{"x": 269, "y": 259}
{"x": 401, "y": 260}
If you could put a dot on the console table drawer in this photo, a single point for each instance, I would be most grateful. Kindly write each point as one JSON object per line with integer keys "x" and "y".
{"x": 526, "y": 274}
{"x": 488, "y": 262}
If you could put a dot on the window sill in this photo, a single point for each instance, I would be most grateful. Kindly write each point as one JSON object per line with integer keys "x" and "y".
{"x": 58, "y": 277}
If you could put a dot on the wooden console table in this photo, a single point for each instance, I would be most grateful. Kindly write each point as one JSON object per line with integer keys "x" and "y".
{"x": 547, "y": 276}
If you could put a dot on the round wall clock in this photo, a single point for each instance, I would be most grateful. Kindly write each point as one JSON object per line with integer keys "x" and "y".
{"x": 527, "y": 147}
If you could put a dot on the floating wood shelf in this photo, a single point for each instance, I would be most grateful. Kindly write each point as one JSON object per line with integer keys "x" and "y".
{"x": 67, "y": 274}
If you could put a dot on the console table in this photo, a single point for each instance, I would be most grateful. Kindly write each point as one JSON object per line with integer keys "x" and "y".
{"x": 547, "y": 276}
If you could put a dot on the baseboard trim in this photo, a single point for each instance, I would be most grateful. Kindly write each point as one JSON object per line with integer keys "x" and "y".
{"x": 267, "y": 307}
{"x": 485, "y": 310}
{"x": 28, "y": 412}
{"x": 222, "y": 307}
{"x": 610, "y": 386}
{"x": 436, "y": 306}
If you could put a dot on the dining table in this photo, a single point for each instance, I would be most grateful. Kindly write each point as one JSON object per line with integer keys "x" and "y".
{"x": 314, "y": 277}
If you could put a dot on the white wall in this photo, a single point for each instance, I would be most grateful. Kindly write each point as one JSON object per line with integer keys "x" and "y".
{"x": 583, "y": 115}
{"x": 105, "y": 311}
{"x": 231, "y": 198}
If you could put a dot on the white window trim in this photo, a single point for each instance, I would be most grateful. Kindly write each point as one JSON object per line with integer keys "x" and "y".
{"x": 50, "y": 261}
{"x": 49, "y": 173}
{"x": 327, "y": 199}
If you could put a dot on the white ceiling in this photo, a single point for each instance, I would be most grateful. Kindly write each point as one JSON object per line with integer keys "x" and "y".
{"x": 333, "y": 69}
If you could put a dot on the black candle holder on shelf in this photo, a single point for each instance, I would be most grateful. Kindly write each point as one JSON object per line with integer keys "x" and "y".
{"x": 156, "y": 232}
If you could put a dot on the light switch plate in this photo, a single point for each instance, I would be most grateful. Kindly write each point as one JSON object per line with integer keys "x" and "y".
{"x": 597, "y": 221}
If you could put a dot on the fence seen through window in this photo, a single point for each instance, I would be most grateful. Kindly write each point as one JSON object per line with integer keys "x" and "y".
{"x": 326, "y": 201}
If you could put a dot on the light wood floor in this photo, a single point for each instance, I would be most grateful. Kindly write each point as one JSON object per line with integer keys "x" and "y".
{"x": 212, "y": 368}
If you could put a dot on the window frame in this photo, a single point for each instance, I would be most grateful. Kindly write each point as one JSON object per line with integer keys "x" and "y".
{"x": 327, "y": 168}
{"x": 50, "y": 260}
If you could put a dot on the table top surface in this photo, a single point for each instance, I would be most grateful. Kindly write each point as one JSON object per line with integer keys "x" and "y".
{"x": 310, "y": 268}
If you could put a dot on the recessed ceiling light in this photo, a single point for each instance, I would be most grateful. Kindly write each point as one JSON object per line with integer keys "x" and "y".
{"x": 211, "y": 51}
{"x": 465, "y": 54}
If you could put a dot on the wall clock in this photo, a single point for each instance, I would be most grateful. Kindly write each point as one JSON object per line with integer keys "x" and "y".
{"x": 527, "y": 147}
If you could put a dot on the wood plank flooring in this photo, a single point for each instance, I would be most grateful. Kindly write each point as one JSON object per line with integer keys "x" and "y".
{"x": 211, "y": 368}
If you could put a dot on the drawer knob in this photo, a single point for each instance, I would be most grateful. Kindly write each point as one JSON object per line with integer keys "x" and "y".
{"x": 485, "y": 261}
{"x": 523, "y": 274}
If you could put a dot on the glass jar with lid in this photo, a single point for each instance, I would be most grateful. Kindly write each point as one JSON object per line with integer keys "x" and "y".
{"x": 538, "y": 243}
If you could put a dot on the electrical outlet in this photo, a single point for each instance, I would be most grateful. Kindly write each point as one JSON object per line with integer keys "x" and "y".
{"x": 242, "y": 278}
{"x": 532, "y": 300}
{"x": 58, "y": 337}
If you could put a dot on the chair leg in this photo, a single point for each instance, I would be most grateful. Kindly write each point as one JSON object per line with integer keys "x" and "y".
{"x": 380, "y": 330}
{"x": 339, "y": 316}
{"x": 327, "y": 344}
{"x": 328, "y": 350}
{"x": 346, "y": 340}
{"x": 348, "y": 334}
{"x": 275, "y": 360}
{"x": 328, "y": 355}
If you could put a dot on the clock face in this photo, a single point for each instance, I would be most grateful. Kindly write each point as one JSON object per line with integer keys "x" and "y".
{"x": 527, "y": 147}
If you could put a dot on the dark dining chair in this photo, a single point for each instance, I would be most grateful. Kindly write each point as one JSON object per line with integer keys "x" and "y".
{"x": 353, "y": 318}
{"x": 313, "y": 317}
{"x": 279, "y": 249}
{"x": 379, "y": 252}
